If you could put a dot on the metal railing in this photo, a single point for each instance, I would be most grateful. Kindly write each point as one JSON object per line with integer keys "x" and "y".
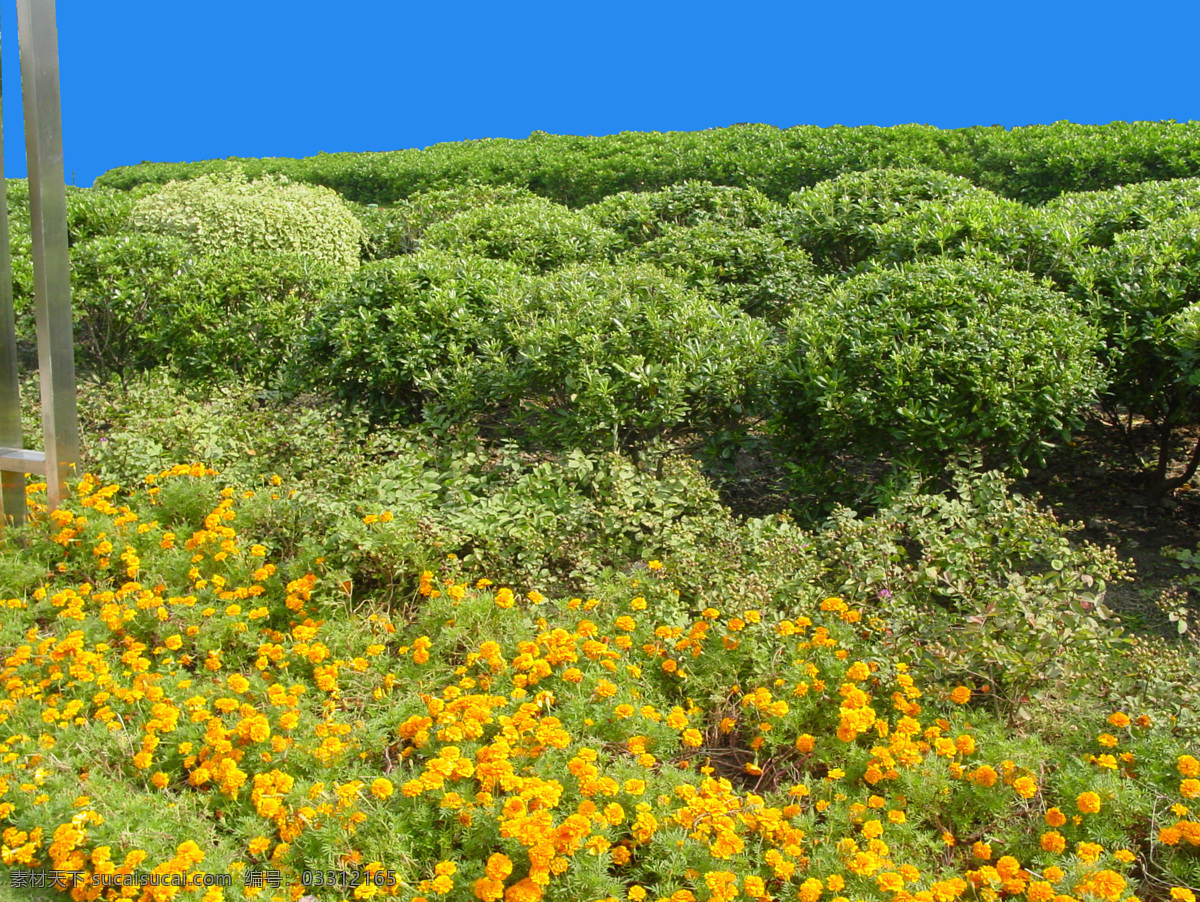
{"x": 52, "y": 279}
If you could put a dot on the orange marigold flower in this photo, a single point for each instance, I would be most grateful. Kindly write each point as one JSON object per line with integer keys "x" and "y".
{"x": 1055, "y": 818}
{"x": 1026, "y": 787}
{"x": 1088, "y": 802}
{"x": 960, "y": 695}
{"x": 1053, "y": 841}
{"x": 1119, "y": 720}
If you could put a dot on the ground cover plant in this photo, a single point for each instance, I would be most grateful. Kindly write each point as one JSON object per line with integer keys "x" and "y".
{"x": 620, "y": 519}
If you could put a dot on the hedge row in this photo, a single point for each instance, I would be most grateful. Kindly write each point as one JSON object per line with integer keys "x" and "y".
{"x": 1032, "y": 164}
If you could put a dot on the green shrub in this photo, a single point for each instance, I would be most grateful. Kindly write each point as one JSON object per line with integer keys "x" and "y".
{"x": 920, "y": 363}
{"x": 220, "y": 213}
{"x": 240, "y": 313}
{"x": 980, "y": 583}
{"x": 120, "y": 287}
{"x": 835, "y": 220}
{"x": 398, "y": 229}
{"x": 1098, "y": 216}
{"x": 385, "y": 342}
{"x": 1135, "y": 288}
{"x": 642, "y": 217}
{"x": 744, "y": 267}
{"x": 611, "y": 358}
{"x": 980, "y": 225}
{"x": 535, "y": 234}
{"x": 91, "y": 213}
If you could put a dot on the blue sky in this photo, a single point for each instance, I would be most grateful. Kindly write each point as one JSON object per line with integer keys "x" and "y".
{"x": 174, "y": 81}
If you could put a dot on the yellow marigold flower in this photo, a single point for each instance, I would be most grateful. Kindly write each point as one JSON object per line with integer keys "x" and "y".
{"x": 654, "y": 565}
{"x": 1106, "y": 884}
{"x": 1108, "y": 740}
{"x": 382, "y": 788}
{"x": 237, "y": 683}
{"x": 1180, "y": 894}
{"x": 1119, "y": 720}
{"x": 960, "y": 695}
{"x": 1040, "y": 891}
{"x": 1188, "y": 766}
{"x": 890, "y": 882}
{"x": 259, "y": 845}
{"x": 1190, "y": 788}
{"x": 1124, "y": 856}
{"x": 1053, "y": 841}
{"x": 498, "y": 866}
{"x": 982, "y": 851}
{"x": 984, "y": 776}
{"x": 488, "y": 889}
{"x": 1088, "y": 802}
{"x": 1026, "y": 787}
{"x": 692, "y": 738}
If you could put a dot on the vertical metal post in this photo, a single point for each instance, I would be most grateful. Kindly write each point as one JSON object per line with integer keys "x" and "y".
{"x": 12, "y": 483}
{"x": 48, "y": 224}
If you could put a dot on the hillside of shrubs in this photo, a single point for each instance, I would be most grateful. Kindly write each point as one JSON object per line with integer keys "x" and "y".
{"x": 630, "y": 518}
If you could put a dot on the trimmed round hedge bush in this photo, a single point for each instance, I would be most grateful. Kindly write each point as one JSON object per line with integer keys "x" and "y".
{"x": 1135, "y": 290}
{"x": 834, "y": 220}
{"x": 1098, "y": 216}
{"x": 221, "y": 213}
{"x": 385, "y": 343}
{"x": 120, "y": 287}
{"x": 917, "y": 364}
{"x": 536, "y": 234}
{"x": 240, "y": 315}
{"x": 398, "y": 229}
{"x": 643, "y": 216}
{"x": 611, "y": 358}
{"x": 979, "y": 224}
{"x": 743, "y": 267}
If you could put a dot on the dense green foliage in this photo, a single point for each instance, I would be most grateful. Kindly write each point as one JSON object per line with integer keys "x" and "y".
{"x": 1031, "y": 164}
{"x": 979, "y": 224}
{"x": 395, "y": 230}
{"x": 386, "y": 343}
{"x": 923, "y": 362}
{"x": 745, "y": 267}
{"x": 644, "y": 216}
{"x": 611, "y": 358}
{"x": 1135, "y": 287}
{"x": 537, "y": 234}
{"x": 121, "y": 289}
{"x": 217, "y": 214}
{"x": 835, "y": 220}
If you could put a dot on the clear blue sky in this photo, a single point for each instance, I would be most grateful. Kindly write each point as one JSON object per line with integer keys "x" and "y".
{"x": 182, "y": 81}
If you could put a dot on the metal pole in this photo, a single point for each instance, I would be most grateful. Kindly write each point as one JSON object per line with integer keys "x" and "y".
{"x": 12, "y": 483}
{"x": 48, "y": 224}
